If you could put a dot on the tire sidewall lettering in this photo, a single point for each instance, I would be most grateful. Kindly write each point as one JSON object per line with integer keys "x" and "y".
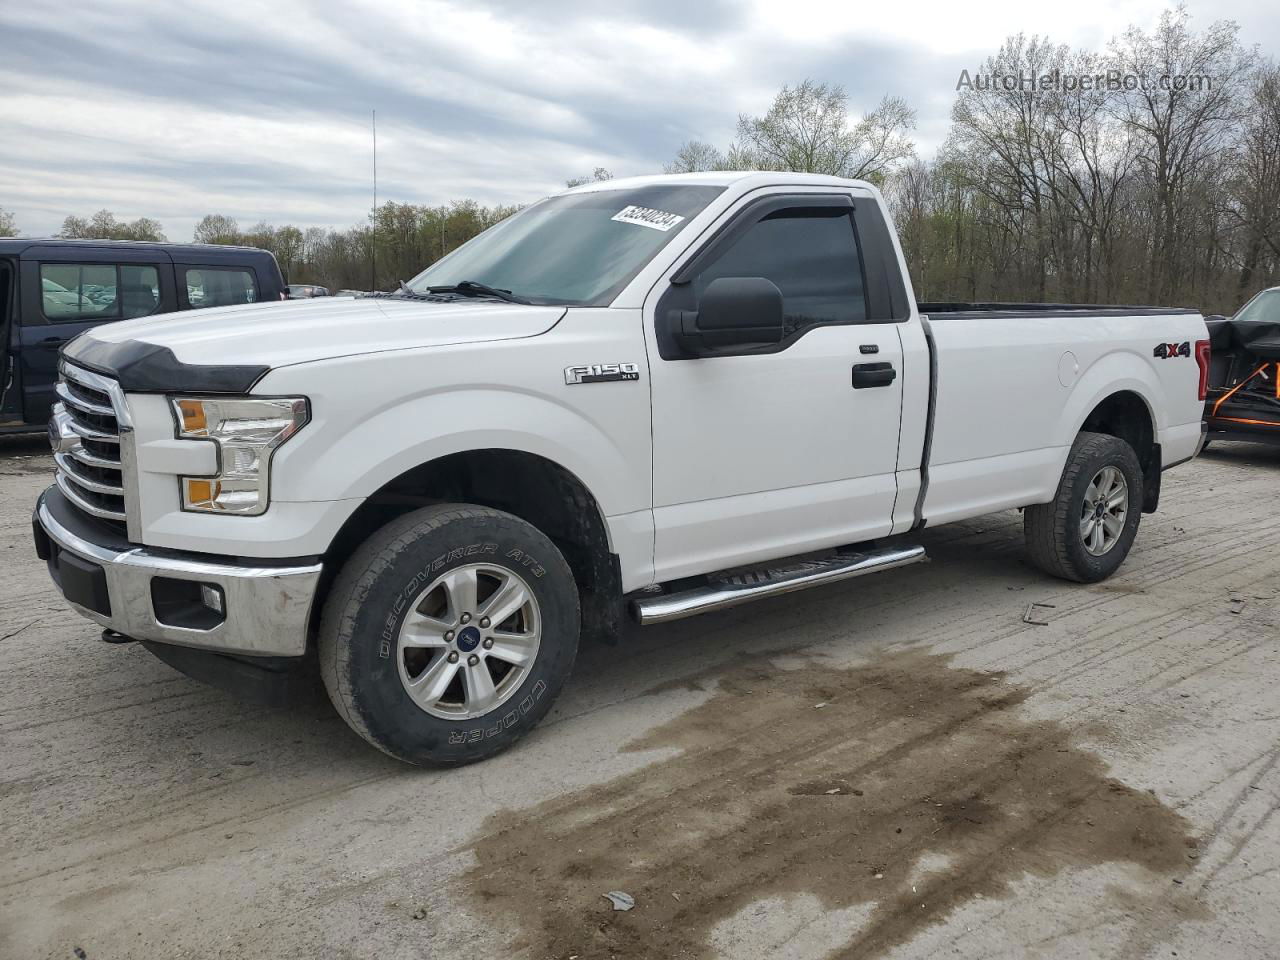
{"x": 506, "y": 722}
{"x": 418, "y": 582}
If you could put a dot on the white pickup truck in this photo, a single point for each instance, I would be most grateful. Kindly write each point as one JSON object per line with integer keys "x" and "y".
{"x": 666, "y": 395}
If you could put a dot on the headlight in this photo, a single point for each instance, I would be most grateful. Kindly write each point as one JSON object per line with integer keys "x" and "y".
{"x": 247, "y": 432}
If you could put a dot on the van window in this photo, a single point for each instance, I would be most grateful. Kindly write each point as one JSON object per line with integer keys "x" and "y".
{"x": 98, "y": 291}
{"x": 219, "y": 287}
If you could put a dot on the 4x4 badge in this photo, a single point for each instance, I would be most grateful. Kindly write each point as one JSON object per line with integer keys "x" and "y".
{"x": 601, "y": 372}
{"x": 1168, "y": 351}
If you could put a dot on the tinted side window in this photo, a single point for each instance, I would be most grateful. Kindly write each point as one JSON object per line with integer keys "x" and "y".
{"x": 139, "y": 290}
{"x": 89, "y": 291}
{"x": 219, "y": 286}
{"x": 812, "y": 256}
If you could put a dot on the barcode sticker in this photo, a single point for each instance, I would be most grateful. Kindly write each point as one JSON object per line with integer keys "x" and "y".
{"x": 646, "y": 217}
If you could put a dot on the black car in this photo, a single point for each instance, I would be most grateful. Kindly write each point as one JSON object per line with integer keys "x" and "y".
{"x": 1244, "y": 372}
{"x": 305, "y": 291}
{"x": 54, "y": 290}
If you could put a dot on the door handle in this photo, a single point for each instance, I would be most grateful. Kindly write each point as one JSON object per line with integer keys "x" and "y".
{"x": 873, "y": 375}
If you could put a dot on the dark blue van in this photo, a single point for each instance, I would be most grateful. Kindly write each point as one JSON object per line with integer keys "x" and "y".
{"x": 53, "y": 290}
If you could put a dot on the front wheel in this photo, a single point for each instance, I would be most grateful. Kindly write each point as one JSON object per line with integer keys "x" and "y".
{"x": 449, "y": 633}
{"x": 1085, "y": 532}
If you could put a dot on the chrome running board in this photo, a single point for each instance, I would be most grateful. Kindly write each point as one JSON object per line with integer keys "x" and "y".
{"x": 742, "y": 588}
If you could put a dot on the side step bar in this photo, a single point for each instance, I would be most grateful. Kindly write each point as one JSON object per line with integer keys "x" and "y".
{"x": 743, "y": 588}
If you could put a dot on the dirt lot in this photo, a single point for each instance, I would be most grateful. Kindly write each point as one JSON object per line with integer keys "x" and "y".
{"x": 898, "y": 767}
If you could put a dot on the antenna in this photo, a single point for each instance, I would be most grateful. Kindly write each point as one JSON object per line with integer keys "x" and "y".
{"x": 373, "y": 215}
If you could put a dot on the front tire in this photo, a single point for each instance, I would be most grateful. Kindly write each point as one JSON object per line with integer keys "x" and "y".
{"x": 1086, "y": 531}
{"x": 449, "y": 633}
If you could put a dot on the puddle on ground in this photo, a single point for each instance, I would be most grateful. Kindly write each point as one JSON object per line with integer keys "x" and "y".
{"x": 910, "y": 763}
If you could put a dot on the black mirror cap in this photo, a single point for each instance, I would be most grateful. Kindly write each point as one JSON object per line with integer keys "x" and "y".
{"x": 734, "y": 311}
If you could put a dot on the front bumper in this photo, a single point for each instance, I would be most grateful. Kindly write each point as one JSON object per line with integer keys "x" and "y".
{"x": 139, "y": 592}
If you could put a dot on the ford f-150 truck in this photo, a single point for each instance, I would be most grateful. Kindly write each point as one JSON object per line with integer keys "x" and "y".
{"x": 663, "y": 395}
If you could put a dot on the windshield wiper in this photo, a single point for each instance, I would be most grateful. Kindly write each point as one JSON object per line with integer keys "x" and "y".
{"x": 472, "y": 288}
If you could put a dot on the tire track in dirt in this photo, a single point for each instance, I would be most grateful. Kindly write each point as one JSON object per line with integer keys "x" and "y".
{"x": 905, "y": 757}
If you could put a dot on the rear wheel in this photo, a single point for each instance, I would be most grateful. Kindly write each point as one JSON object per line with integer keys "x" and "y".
{"x": 449, "y": 633}
{"x": 1086, "y": 531}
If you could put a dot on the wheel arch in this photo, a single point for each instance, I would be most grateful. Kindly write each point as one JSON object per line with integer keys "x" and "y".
{"x": 527, "y": 485}
{"x": 1125, "y": 414}
{"x": 1128, "y": 415}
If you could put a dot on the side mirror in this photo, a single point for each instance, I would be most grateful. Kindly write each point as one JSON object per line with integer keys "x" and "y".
{"x": 1214, "y": 316}
{"x": 733, "y": 311}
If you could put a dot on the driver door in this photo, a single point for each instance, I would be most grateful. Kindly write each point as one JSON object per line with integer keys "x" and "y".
{"x": 771, "y": 451}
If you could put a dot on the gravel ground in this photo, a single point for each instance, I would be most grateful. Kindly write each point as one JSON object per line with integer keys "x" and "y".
{"x": 898, "y": 766}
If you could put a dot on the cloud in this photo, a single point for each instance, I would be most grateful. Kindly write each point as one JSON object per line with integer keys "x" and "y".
{"x": 261, "y": 110}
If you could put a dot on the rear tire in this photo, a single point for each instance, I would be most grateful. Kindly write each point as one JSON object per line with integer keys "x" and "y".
{"x": 409, "y": 654}
{"x": 1086, "y": 531}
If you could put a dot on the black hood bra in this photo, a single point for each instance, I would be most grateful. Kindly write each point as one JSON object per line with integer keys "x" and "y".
{"x": 142, "y": 367}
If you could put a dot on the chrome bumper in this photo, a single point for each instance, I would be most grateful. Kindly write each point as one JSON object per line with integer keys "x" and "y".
{"x": 265, "y": 609}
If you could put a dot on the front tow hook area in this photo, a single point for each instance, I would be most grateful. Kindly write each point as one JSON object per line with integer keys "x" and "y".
{"x": 115, "y": 636}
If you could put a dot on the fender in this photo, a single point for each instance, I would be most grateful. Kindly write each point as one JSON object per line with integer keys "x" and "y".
{"x": 376, "y": 416}
{"x": 1116, "y": 372}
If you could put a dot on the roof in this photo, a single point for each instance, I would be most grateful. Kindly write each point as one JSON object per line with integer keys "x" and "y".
{"x": 18, "y": 245}
{"x": 719, "y": 178}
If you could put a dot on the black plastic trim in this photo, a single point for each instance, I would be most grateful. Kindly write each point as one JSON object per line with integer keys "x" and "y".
{"x": 927, "y": 452}
{"x": 142, "y": 367}
{"x": 271, "y": 681}
{"x": 82, "y": 582}
{"x": 979, "y": 311}
{"x": 886, "y": 291}
{"x": 1151, "y": 475}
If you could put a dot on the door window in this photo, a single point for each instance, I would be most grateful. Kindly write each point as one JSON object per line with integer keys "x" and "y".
{"x": 98, "y": 291}
{"x": 219, "y": 287}
{"x": 811, "y": 254}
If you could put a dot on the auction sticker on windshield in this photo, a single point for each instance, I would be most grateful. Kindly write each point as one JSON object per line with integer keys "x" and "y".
{"x": 646, "y": 217}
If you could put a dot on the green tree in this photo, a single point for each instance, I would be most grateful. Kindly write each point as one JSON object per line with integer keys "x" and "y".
{"x": 8, "y": 227}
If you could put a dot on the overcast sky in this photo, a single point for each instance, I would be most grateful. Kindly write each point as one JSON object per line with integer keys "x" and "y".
{"x": 261, "y": 110}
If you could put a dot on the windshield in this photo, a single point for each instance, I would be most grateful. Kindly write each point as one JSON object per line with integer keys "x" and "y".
{"x": 579, "y": 249}
{"x": 1264, "y": 307}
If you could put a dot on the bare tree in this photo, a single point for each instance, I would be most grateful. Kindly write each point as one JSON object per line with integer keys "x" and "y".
{"x": 1255, "y": 185}
{"x": 1184, "y": 110}
{"x": 807, "y": 129}
{"x": 8, "y": 226}
{"x": 103, "y": 225}
{"x": 1006, "y": 138}
{"x": 216, "y": 228}
{"x": 695, "y": 156}
{"x": 600, "y": 173}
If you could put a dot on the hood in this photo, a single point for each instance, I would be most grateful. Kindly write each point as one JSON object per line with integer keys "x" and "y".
{"x": 228, "y": 349}
{"x": 298, "y": 331}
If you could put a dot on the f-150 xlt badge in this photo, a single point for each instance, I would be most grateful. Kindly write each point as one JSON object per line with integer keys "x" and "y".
{"x": 1167, "y": 351}
{"x": 601, "y": 372}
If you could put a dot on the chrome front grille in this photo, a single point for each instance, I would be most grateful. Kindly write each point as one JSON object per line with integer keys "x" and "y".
{"x": 86, "y": 434}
